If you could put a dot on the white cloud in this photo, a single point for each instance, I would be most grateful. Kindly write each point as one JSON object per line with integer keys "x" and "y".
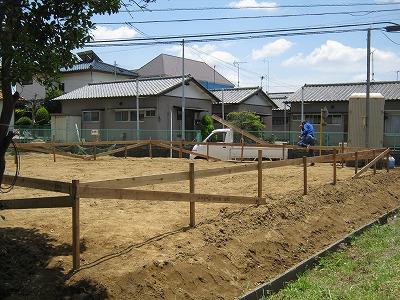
{"x": 341, "y": 63}
{"x": 253, "y": 4}
{"x": 331, "y": 57}
{"x": 105, "y": 33}
{"x": 207, "y": 53}
{"x": 272, "y": 49}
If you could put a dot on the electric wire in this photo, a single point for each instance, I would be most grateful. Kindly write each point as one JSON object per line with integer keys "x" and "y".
{"x": 234, "y": 35}
{"x": 365, "y": 12}
{"x": 261, "y": 7}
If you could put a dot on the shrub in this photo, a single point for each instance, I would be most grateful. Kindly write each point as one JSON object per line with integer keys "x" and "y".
{"x": 19, "y": 113}
{"x": 206, "y": 126}
{"x": 24, "y": 121}
{"x": 42, "y": 116}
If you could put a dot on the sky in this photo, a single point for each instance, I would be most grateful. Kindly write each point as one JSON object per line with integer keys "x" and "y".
{"x": 296, "y": 50}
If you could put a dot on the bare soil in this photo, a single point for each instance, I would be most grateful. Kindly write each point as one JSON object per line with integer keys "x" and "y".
{"x": 146, "y": 250}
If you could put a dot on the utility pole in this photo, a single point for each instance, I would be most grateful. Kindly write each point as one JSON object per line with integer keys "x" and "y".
{"x": 368, "y": 88}
{"x": 238, "y": 64}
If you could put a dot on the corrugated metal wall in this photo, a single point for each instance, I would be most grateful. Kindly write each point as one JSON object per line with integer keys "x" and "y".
{"x": 357, "y": 128}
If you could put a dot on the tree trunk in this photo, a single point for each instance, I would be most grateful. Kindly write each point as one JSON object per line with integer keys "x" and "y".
{"x": 9, "y": 101}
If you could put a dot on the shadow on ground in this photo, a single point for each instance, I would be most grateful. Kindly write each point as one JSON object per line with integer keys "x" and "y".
{"x": 24, "y": 257}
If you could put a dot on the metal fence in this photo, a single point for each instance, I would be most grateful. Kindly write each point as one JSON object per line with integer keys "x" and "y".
{"x": 46, "y": 134}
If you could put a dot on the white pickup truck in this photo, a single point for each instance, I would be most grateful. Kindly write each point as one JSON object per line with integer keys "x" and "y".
{"x": 219, "y": 147}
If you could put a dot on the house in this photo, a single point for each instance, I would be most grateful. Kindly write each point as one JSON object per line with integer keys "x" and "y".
{"x": 244, "y": 98}
{"x": 311, "y": 98}
{"x": 152, "y": 105}
{"x": 280, "y": 115}
{"x": 169, "y": 65}
{"x": 89, "y": 69}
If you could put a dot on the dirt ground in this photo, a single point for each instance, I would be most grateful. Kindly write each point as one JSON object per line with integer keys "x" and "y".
{"x": 146, "y": 250}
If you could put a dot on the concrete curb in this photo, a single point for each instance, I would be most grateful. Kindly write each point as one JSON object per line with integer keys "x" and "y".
{"x": 292, "y": 274}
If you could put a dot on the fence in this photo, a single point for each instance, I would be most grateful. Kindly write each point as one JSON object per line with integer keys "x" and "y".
{"x": 46, "y": 134}
{"x": 116, "y": 189}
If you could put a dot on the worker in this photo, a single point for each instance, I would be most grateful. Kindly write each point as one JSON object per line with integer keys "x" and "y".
{"x": 306, "y": 138}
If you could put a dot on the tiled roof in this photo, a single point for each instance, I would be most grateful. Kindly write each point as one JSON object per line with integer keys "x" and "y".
{"x": 169, "y": 65}
{"x": 239, "y": 95}
{"x": 390, "y": 90}
{"x": 279, "y": 99}
{"x": 127, "y": 88}
{"x": 98, "y": 66}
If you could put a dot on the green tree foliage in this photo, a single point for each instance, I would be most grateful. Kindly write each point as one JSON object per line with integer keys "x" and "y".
{"x": 24, "y": 121}
{"x": 206, "y": 126}
{"x": 52, "y": 106}
{"x": 36, "y": 39}
{"x": 246, "y": 120}
{"x": 19, "y": 113}
{"x": 42, "y": 116}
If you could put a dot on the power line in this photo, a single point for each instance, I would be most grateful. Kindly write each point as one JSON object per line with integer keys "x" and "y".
{"x": 248, "y": 17}
{"x": 224, "y": 36}
{"x": 261, "y": 7}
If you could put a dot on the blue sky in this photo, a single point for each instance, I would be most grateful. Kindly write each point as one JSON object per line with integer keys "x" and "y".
{"x": 279, "y": 63}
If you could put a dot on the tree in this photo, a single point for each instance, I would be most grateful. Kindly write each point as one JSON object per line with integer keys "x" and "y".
{"x": 52, "y": 106}
{"x": 36, "y": 39}
{"x": 246, "y": 120}
{"x": 206, "y": 126}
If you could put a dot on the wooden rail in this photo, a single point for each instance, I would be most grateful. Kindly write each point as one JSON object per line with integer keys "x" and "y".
{"x": 116, "y": 189}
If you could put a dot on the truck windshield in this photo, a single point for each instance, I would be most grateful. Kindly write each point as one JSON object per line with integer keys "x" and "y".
{"x": 218, "y": 137}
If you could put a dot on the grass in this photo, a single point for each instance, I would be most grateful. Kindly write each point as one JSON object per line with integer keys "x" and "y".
{"x": 368, "y": 269}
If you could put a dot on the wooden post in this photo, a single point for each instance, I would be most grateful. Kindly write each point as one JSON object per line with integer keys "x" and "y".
{"x": 75, "y": 226}
{"x": 342, "y": 151}
{"x": 305, "y": 174}
{"x": 150, "y": 150}
{"x": 242, "y": 153}
{"x": 334, "y": 166}
{"x": 54, "y": 148}
{"x": 374, "y": 155}
{"x": 208, "y": 151}
{"x": 283, "y": 152}
{"x": 356, "y": 162}
{"x": 126, "y": 151}
{"x": 387, "y": 162}
{"x": 180, "y": 148}
{"x": 259, "y": 168}
{"x": 94, "y": 149}
{"x": 192, "y": 204}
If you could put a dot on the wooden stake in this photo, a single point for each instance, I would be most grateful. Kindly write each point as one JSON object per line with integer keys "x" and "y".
{"x": 75, "y": 226}
{"x": 150, "y": 150}
{"x": 374, "y": 154}
{"x": 259, "y": 168}
{"x": 54, "y": 148}
{"x": 192, "y": 188}
{"x": 334, "y": 166}
{"x": 356, "y": 162}
{"x": 305, "y": 174}
{"x": 387, "y": 162}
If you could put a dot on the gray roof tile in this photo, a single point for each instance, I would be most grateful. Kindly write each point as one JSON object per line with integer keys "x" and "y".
{"x": 127, "y": 88}
{"x": 235, "y": 95}
{"x": 342, "y": 91}
{"x": 169, "y": 65}
{"x": 98, "y": 66}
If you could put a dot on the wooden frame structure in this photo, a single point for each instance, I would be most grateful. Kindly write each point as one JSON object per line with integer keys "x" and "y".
{"x": 118, "y": 188}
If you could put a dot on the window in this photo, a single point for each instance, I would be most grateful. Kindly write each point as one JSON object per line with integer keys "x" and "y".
{"x": 333, "y": 119}
{"x": 130, "y": 115}
{"x": 91, "y": 116}
{"x": 134, "y": 115}
{"x": 121, "y": 116}
{"x": 150, "y": 113}
{"x": 61, "y": 87}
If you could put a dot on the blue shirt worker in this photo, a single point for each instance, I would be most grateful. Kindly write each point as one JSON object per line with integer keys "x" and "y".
{"x": 307, "y": 138}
